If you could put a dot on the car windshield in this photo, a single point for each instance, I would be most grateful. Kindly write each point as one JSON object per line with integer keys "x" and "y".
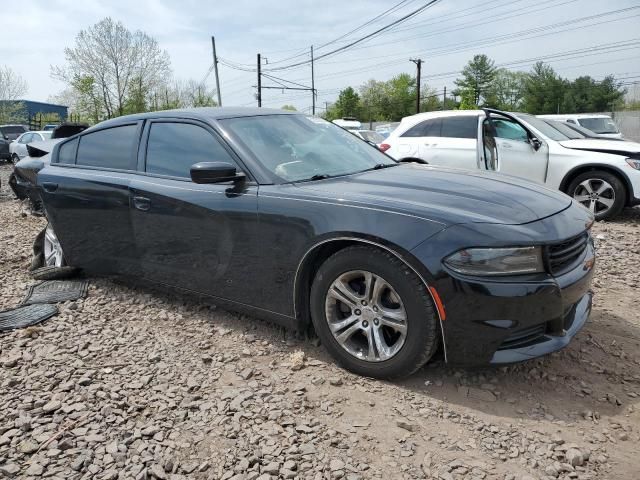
{"x": 565, "y": 129}
{"x": 599, "y": 124}
{"x": 371, "y": 136}
{"x": 543, "y": 127}
{"x": 300, "y": 148}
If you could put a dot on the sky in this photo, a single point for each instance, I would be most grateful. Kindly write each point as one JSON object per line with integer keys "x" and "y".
{"x": 576, "y": 37}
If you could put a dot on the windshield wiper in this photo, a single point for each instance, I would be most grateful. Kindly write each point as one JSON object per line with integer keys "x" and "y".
{"x": 319, "y": 176}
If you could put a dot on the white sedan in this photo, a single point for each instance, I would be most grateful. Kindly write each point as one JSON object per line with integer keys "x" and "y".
{"x": 18, "y": 148}
{"x": 601, "y": 174}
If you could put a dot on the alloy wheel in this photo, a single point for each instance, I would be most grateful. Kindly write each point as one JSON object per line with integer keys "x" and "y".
{"x": 366, "y": 316}
{"x": 53, "y": 256}
{"x": 595, "y": 194}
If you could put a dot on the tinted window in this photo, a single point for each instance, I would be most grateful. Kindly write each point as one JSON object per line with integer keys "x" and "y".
{"x": 110, "y": 148}
{"x": 26, "y": 138}
{"x": 571, "y": 121}
{"x": 428, "y": 128}
{"x": 174, "y": 147}
{"x": 67, "y": 152}
{"x": 460, "y": 127}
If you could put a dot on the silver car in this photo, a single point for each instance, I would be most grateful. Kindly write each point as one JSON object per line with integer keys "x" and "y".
{"x": 18, "y": 148}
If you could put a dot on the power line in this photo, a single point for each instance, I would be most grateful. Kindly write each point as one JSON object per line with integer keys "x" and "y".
{"x": 362, "y": 39}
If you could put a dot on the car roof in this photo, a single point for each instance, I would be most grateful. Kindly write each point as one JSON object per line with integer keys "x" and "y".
{"x": 201, "y": 113}
{"x": 575, "y": 115}
{"x": 442, "y": 113}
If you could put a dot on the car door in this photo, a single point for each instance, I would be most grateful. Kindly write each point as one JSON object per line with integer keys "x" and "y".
{"x": 457, "y": 145}
{"x": 201, "y": 237}
{"x": 514, "y": 151}
{"x": 417, "y": 141}
{"x": 85, "y": 190}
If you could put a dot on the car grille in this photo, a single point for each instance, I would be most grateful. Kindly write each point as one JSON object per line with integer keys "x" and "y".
{"x": 561, "y": 256}
{"x": 524, "y": 337}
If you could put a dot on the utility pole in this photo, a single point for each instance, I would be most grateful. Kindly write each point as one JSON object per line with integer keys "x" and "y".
{"x": 418, "y": 63}
{"x": 259, "y": 83}
{"x": 215, "y": 67}
{"x": 444, "y": 99}
{"x": 313, "y": 87}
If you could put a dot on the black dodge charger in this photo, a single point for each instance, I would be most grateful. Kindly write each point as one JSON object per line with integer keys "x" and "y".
{"x": 293, "y": 219}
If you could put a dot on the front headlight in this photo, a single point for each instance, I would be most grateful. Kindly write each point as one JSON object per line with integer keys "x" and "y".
{"x": 496, "y": 261}
{"x": 633, "y": 163}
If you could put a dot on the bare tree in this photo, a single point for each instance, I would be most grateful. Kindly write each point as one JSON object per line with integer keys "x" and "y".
{"x": 12, "y": 87}
{"x": 114, "y": 57}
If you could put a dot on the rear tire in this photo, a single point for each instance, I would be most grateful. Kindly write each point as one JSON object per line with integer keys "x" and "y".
{"x": 395, "y": 327}
{"x": 601, "y": 192}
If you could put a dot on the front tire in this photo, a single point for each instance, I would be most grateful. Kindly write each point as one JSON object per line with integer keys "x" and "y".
{"x": 15, "y": 159}
{"x": 601, "y": 192}
{"x": 373, "y": 313}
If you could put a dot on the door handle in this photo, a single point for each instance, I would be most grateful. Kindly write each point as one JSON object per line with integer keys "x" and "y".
{"x": 141, "y": 203}
{"x": 50, "y": 187}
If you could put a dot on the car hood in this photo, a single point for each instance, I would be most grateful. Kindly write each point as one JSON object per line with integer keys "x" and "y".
{"x": 603, "y": 146}
{"x": 445, "y": 195}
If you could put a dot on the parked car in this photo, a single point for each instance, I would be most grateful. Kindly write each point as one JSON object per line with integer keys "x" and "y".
{"x": 49, "y": 127}
{"x": 290, "y": 218}
{"x": 18, "y": 148}
{"x": 369, "y": 136}
{"x": 348, "y": 123}
{"x": 602, "y": 175}
{"x": 571, "y": 129}
{"x": 599, "y": 124}
{"x": 8, "y": 133}
{"x": 22, "y": 179}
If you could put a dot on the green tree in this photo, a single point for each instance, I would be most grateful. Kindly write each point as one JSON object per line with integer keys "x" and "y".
{"x": 348, "y": 103}
{"x": 467, "y": 99}
{"x": 401, "y": 92}
{"x": 289, "y": 107}
{"x": 506, "y": 92}
{"x": 477, "y": 77}
{"x": 544, "y": 90}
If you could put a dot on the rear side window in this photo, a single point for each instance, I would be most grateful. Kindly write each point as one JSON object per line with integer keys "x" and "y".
{"x": 109, "y": 148}
{"x": 67, "y": 152}
{"x": 428, "y": 128}
{"x": 460, "y": 127}
{"x": 174, "y": 147}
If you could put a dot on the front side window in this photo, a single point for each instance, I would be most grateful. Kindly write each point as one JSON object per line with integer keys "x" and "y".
{"x": 26, "y": 138}
{"x": 460, "y": 127}
{"x": 428, "y": 128}
{"x": 174, "y": 147}
{"x": 109, "y": 148}
{"x": 300, "y": 148}
{"x": 509, "y": 130}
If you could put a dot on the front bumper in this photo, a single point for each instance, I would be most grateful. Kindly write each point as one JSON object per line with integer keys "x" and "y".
{"x": 510, "y": 319}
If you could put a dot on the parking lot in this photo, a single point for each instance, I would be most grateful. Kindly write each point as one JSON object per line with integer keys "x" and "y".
{"x": 133, "y": 383}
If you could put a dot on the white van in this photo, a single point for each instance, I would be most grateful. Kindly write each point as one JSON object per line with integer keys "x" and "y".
{"x": 603, "y": 125}
{"x": 348, "y": 123}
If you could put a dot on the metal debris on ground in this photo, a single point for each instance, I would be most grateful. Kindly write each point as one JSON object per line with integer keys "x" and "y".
{"x": 26, "y": 316}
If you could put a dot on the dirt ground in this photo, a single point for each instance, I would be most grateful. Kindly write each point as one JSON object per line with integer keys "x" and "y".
{"x": 132, "y": 383}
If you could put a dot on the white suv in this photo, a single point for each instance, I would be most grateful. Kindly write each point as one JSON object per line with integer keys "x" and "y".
{"x": 601, "y": 174}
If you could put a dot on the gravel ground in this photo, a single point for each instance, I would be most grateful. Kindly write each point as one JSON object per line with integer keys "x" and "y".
{"x": 132, "y": 383}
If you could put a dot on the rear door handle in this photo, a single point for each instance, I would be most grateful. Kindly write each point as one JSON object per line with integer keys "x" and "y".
{"x": 141, "y": 203}
{"x": 50, "y": 187}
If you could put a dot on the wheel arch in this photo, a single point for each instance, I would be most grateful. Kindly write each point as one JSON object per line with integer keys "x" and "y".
{"x": 323, "y": 249}
{"x": 580, "y": 169}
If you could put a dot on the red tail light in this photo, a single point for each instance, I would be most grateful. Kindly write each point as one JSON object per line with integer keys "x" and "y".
{"x": 384, "y": 147}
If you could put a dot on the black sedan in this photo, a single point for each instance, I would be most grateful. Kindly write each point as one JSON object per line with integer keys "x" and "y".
{"x": 293, "y": 219}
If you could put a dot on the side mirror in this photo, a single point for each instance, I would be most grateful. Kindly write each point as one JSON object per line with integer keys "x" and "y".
{"x": 215, "y": 172}
{"x": 535, "y": 143}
